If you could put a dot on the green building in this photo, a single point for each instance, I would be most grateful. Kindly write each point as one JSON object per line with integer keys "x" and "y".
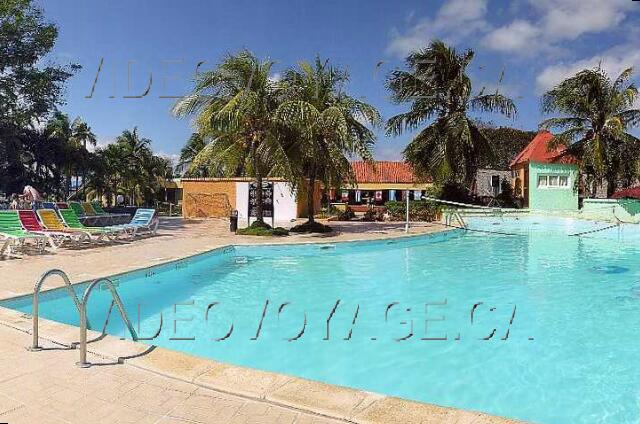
{"x": 544, "y": 178}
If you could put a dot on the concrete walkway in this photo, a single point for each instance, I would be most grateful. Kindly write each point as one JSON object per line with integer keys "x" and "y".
{"x": 46, "y": 387}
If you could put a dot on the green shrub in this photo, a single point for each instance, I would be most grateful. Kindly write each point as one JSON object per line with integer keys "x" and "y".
{"x": 258, "y": 228}
{"x": 345, "y": 215}
{"x": 279, "y": 231}
{"x": 434, "y": 191}
{"x": 311, "y": 227}
{"x": 455, "y": 192}
{"x": 419, "y": 210}
{"x": 259, "y": 224}
{"x": 373, "y": 214}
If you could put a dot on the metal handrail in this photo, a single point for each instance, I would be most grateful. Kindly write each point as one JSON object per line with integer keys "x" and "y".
{"x": 455, "y": 214}
{"x": 83, "y": 317}
{"x": 36, "y": 292}
{"x": 460, "y": 220}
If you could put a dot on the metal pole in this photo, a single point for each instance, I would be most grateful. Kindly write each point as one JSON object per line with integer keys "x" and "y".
{"x": 83, "y": 337}
{"x": 83, "y": 318}
{"x": 406, "y": 225}
{"x": 34, "y": 313}
{"x": 36, "y": 297}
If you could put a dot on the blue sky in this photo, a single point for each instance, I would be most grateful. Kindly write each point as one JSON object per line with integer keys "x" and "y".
{"x": 535, "y": 42}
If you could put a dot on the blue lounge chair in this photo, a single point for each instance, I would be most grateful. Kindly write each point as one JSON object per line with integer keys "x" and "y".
{"x": 144, "y": 221}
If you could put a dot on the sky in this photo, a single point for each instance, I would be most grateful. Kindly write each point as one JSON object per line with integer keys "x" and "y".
{"x": 154, "y": 47}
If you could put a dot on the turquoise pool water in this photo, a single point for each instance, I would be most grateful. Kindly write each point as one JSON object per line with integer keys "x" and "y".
{"x": 570, "y": 307}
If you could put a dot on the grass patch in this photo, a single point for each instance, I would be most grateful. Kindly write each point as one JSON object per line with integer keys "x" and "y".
{"x": 311, "y": 227}
{"x": 262, "y": 229}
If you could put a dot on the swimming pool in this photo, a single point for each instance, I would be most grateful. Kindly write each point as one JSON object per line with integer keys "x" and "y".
{"x": 538, "y": 325}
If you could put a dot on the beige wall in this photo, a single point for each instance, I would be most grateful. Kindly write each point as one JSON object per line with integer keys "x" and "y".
{"x": 207, "y": 198}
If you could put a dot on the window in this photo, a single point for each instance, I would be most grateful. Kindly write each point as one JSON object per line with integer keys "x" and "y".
{"x": 553, "y": 181}
{"x": 542, "y": 180}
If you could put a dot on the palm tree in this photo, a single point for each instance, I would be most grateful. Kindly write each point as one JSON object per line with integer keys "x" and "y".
{"x": 597, "y": 113}
{"x": 75, "y": 136}
{"x": 157, "y": 170}
{"x": 233, "y": 105}
{"x": 97, "y": 180}
{"x": 115, "y": 166}
{"x": 134, "y": 152}
{"x": 81, "y": 135}
{"x": 437, "y": 87}
{"x": 195, "y": 144}
{"x": 59, "y": 127}
{"x": 328, "y": 126}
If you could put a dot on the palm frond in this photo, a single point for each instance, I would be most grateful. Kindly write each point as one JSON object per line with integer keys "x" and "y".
{"x": 494, "y": 103}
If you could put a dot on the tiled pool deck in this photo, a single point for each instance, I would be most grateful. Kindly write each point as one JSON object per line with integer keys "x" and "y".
{"x": 134, "y": 384}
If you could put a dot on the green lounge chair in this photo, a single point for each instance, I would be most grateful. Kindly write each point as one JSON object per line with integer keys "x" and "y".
{"x": 77, "y": 208}
{"x": 71, "y": 220}
{"x": 87, "y": 216}
{"x": 14, "y": 235}
{"x": 98, "y": 208}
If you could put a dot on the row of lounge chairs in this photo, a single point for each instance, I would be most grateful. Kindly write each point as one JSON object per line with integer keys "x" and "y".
{"x": 90, "y": 213}
{"x": 58, "y": 226}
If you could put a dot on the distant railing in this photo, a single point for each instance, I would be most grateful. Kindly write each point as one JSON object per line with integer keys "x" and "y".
{"x": 169, "y": 208}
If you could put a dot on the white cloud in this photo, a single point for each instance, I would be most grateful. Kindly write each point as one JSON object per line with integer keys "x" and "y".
{"x": 516, "y": 36}
{"x": 612, "y": 61}
{"x": 458, "y": 11}
{"x": 276, "y": 77}
{"x": 171, "y": 157}
{"x": 557, "y": 21}
{"x": 101, "y": 142}
{"x": 568, "y": 19}
{"x": 454, "y": 20}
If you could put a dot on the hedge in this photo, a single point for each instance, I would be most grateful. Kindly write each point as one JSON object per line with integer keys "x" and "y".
{"x": 419, "y": 210}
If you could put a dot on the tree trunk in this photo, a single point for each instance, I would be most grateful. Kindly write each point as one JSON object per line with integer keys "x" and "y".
{"x": 311, "y": 191}
{"x": 258, "y": 177}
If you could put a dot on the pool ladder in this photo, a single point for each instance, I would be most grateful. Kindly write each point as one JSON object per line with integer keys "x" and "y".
{"x": 455, "y": 214}
{"x": 81, "y": 306}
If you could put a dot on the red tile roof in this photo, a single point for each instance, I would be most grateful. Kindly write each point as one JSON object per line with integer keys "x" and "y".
{"x": 383, "y": 172}
{"x": 627, "y": 193}
{"x": 538, "y": 151}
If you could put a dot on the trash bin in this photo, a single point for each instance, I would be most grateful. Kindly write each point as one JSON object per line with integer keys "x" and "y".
{"x": 233, "y": 221}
